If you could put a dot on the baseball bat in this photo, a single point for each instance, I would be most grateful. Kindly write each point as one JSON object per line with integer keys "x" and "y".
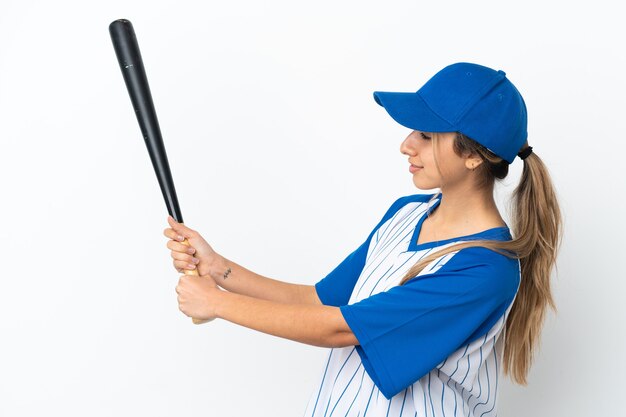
{"x": 131, "y": 64}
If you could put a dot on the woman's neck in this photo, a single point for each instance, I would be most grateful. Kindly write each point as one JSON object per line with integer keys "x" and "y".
{"x": 467, "y": 210}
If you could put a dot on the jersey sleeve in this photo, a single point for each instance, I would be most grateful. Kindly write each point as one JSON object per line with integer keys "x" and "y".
{"x": 408, "y": 330}
{"x": 335, "y": 289}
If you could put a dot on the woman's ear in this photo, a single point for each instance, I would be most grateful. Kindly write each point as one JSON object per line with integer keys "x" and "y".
{"x": 472, "y": 162}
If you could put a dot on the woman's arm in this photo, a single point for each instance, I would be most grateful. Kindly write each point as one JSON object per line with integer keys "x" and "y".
{"x": 318, "y": 325}
{"x": 245, "y": 282}
{"x": 239, "y": 280}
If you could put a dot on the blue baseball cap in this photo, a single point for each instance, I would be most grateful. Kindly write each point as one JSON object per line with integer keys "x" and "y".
{"x": 477, "y": 101}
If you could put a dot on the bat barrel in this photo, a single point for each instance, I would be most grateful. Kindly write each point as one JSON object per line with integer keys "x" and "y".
{"x": 131, "y": 64}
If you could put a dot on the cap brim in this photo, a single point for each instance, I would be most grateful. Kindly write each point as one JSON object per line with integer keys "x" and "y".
{"x": 410, "y": 110}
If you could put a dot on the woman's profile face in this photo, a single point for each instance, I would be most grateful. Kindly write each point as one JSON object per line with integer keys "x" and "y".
{"x": 449, "y": 169}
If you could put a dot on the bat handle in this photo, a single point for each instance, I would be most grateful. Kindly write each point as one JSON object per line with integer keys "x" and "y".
{"x": 193, "y": 272}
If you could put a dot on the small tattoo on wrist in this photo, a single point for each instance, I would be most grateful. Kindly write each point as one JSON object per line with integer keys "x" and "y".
{"x": 226, "y": 273}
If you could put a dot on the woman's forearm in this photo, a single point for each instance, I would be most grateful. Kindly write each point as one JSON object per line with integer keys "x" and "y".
{"x": 228, "y": 274}
{"x": 245, "y": 282}
{"x": 317, "y": 325}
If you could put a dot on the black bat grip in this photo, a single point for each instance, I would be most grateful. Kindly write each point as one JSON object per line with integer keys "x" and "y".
{"x": 131, "y": 64}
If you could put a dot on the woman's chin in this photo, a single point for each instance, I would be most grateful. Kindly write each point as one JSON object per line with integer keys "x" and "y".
{"x": 424, "y": 185}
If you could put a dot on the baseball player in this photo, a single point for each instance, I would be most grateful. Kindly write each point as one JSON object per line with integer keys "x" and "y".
{"x": 442, "y": 297}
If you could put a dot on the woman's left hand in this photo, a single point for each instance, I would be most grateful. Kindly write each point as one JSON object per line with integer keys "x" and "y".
{"x": 196, "y": 296}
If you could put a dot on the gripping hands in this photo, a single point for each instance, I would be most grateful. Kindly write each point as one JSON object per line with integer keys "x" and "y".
{"x": 193, "y": 256}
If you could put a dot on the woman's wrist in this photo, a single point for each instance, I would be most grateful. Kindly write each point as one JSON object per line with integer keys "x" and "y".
{"x": 214, "y": 299}
{"x": 220, "y": 270}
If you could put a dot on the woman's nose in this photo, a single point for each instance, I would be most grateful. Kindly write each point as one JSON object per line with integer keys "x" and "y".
{"x": 408, "y": 146}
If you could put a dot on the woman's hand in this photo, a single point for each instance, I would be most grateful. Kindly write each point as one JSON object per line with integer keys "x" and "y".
{"x": 183, "y": 255}
{"x": 197, "y": 296}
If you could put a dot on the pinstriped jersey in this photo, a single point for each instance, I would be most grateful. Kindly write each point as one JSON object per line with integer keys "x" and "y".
{"x": 431, "y": 347}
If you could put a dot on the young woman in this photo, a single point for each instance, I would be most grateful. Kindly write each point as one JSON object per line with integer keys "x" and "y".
{"x": 442, "y": 296}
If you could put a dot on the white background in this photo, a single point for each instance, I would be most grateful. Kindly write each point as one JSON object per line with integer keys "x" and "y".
{"x": 284, "y": 162}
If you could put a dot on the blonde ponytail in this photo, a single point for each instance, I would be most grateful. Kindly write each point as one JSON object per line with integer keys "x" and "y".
{"x": 537, "y": 228}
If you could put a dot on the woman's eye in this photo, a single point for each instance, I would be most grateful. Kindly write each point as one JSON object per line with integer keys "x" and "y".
{"x": 424, "y": 136}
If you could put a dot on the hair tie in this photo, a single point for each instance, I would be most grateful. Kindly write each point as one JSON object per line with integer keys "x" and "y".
{"x": 524, "y": 154}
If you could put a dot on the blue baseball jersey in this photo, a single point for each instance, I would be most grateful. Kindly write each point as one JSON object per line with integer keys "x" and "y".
{"x": 431, "y": 347}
